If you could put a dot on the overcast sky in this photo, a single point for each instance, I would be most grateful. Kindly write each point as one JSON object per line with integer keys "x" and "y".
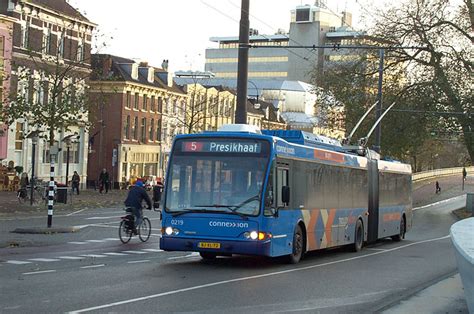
{"x": 179, "y": 30}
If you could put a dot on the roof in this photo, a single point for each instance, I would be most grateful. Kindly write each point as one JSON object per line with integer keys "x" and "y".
{"x": 60, "y": 6}
{"x": 121, "y": 70}
{"x": 276, "y": 37}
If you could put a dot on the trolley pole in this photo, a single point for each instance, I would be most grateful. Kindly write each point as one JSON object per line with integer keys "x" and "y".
{"x": 242, "y": 72}
{"x": 378, "y": 110}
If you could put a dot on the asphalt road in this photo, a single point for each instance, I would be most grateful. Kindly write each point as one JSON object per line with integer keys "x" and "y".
{"x": 91, "y": 271}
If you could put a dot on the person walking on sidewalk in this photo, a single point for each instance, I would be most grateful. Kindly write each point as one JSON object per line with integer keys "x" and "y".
{"x": 438, "y": 187}
{"x": 136, "y": 195}
{"x": 104, "y": 181}
{"x": 75, "y": 182}
{"x": 464, "y": 173}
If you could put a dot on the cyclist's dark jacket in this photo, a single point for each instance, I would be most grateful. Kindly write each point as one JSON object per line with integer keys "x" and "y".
{"x": 135, "y": 197}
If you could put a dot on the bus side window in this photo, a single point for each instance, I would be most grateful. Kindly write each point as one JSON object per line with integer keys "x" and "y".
{"x": 282, "y": 180}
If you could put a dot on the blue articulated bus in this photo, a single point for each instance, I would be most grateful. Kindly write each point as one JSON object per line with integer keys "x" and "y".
{"x": 279, "y": 193}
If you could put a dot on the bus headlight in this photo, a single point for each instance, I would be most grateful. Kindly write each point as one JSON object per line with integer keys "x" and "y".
{"x": 171, "y": 231}
{"x": 251, "y": 235}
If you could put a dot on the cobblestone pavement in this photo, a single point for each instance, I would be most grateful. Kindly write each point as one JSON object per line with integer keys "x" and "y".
{"x": 11, "y": 207}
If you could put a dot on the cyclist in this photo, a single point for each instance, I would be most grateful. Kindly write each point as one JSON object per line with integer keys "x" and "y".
{"x": 136, "y": 195}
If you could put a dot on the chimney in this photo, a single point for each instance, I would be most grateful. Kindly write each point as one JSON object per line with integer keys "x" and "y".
{"x": 164, "y": 65}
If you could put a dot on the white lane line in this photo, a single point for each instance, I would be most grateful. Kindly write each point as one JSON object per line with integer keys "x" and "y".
{"x": 71, "y": 257}
{"x": 107, "y": 217}
{"x": 96, "y": 241}
{"x": 372, "y": 249}
{"x": 92, "y": 266}
{"x": 115, "y": 254}
{"x": 218, "y": 283}
{"x": 44, "y": 259}
{"x": 76, "y": 212}
{"x": 152, "y": 250}
{"x": 111, "y": 239}
{"x": 17, "y": 262}
{"x": 135, "y": 252}
{"x": 194, "y": 254}
{"x": 141, "y": 261}
{"x": 93, "y": 255}
{"x": 77, "y": 242}
{"x": 40, "y": 272}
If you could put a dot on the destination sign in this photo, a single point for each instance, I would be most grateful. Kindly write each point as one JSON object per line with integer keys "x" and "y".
{"x": 221, "y": 147}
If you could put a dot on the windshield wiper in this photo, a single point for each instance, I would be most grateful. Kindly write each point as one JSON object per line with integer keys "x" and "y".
{"x": 233, "y": 209}
{"x": 190, "y": 210}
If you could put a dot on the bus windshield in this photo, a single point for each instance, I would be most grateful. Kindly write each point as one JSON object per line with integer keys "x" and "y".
{"x": 216, "y": 175}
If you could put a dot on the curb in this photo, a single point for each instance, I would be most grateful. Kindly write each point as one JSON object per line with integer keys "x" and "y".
{"x": 46, "y": 230}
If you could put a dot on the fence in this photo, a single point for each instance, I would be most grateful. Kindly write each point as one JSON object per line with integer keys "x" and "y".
{"x": 425, "y": 175}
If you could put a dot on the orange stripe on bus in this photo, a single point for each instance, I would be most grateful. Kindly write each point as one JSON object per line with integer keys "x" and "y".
{"x": 312, "y": 241}
{"x": 325, "y": 155}
{"x": 332, "y": 214}
{"x": 391, "y": 217}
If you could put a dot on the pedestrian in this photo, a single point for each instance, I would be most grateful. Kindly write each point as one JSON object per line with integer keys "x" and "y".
{"x": 136, "y": 195}
{"x": 438, "y": 188}
{"x": 104, "y": 181}
{"x": 464, "y": 173}
{"x": 157, "y": 191}
{"x": 75, "y": 182}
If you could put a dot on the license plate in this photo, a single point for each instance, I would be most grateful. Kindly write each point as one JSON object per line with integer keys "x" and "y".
{"x": 209, "y": 245}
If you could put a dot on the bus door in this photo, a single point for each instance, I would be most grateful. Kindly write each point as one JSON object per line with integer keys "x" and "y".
{"x": 276, "y": 210}
{"x": 373, "y": 206}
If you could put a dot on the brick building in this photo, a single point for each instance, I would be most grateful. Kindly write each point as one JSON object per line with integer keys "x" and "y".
{"x": 49, "y": 37}
{"x": 6, "y": 45}
{"x": 133, "y": 108}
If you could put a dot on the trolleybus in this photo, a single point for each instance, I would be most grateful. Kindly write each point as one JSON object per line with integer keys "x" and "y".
{"x": 279, "y": 193}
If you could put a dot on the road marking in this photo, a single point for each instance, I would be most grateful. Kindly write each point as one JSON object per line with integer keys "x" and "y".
{"x": 106, "y": 217}
{"x": 77, "y": 242}
{"x": 439, "y": 202}
{"x": 152, "y": 250}
{"x": 17, "y": 262}
{"x": 96, "y": 241}
{"x": 70, "y": 257}
{"x": 372, "y": 249}
{"x": 76, "y": 212}
{"x": 44, "y": 259}
{"x": 141, "y": 261}
{"x": 194, "y": 254}
{"x": 40, "y": 272}
{"x": 115, "y": 254}
{"x": 93, "y": 255}
{"x": 218, "y": 283}
{"x": 111, "y": 239}
{"x": 134, "y": 252}
{"x": 92, "y": 266}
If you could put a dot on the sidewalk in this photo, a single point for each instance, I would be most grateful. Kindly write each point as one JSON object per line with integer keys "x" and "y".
{"x": 10, "y": 206}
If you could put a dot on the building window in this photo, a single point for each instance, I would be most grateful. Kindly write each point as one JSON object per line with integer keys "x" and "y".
{"x": 19, "y": 136}
{"x": 135, "y": 129}
{"x": 143, "y": 131}
{"x": 137, "y": 100}
{"x": 145, "y": 102}
{"x": 160, "y": 104}
{"x": 62, "y": 44}
{"x": 158, "y": 130}
{"x": 127, "y": 128}
{"x": 152, "y": 130}
{"x": 73, "y": 153}
{"x": 152, "y": 103}
{"x": 46, "y": 40}
{"x": 24, "y": 34}
{"x": 80, "y": 50}
{"x": 128, "y": 100}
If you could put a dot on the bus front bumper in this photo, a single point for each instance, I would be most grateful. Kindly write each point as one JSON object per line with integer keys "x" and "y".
{"x": 225, "y": 247}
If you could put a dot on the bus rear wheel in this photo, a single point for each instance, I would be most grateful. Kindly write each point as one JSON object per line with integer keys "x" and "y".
{"x": 358, "y": 236}
{"x": 401, "y": 235}
{"x": 298, "y": 242}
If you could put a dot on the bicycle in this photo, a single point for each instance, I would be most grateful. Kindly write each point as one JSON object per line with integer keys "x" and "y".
{"x": 24, "y": 195}
{"x": 127, "y": 227}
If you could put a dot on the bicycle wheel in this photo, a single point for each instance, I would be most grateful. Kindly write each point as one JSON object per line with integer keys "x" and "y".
{"x": 125, "y": 234}
{"x": 144, "y": 230}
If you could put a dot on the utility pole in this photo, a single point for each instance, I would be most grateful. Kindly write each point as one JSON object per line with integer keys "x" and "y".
{"x": 243, "y": 62}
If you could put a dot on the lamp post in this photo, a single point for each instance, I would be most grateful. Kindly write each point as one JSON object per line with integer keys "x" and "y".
{"x": 34, "y": 140}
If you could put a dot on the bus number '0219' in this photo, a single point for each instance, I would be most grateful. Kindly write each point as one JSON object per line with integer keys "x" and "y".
{"x": 177, "y": 222}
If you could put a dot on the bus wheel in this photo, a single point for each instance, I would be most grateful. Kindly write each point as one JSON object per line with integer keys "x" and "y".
{"x": 298, "y": 241}
{"x": 358, "y": 237}
{"x": 208, "y": 256}
{"x": 401, "y": 235}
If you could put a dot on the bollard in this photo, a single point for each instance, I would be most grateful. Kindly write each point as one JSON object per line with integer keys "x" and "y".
{"x": 470, "y": 203}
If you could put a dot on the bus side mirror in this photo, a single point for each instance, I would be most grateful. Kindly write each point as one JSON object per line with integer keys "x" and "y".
{"x": 285, "y": 195}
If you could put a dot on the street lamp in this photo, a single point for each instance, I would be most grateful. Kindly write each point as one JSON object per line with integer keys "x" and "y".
{"x": 34, "y": 140}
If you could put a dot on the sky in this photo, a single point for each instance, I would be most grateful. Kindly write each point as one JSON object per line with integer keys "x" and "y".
{"x": 179, "y": 30}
